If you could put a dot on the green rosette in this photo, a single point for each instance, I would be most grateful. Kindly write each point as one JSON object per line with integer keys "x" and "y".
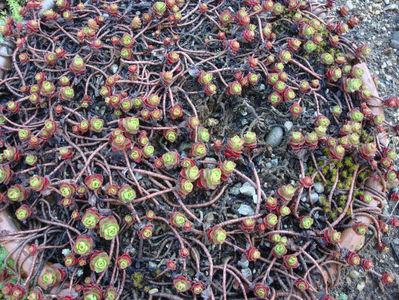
{"x": 126, "y": 193}
{"x": 99, "y": 261}
{"x": 83, "y": 245}
{"x": 108, "y": 227}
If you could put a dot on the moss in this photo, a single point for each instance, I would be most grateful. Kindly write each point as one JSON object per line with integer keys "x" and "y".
{"x": 137, "y": 278}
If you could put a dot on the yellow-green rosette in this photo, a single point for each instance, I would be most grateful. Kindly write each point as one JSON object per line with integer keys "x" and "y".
{"x": 99, "y": 261}
{"x": 203, "y": 135}
{"x": 67, "y": 190}
{"x": 108, "y": 227}
{"x": 146, "y": 231}
{"x": 181, "y": 284}
{"x": 126, "y": 193}
{"x": 90, "y": 218}
{"x": 83, "y": 245}
{"x": 51, "y": 276}
{"x": 170, "y": 159}
{"x": 124, "y": 261}
{"x": 92, "y": 292}
{"x": 17, "y": 193}
{"x": 94, "y": 182}
{"x": 177, "y": 219}
{"x": 217, "y": 235}
{"x": 185, "y": 187}
{"x": 23, "y": 212}
{"x": 96, "y": 124}
{"x": 130, "y": 125}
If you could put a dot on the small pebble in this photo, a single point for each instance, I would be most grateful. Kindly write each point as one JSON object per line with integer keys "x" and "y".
{"x": 275, "y": 136}
{"x": 288, "y": 125}
{"x": 360, "y": 286}
{"x": 318, "y": 187}
{"x": 315, "y": 197}
{"x": 243, "y": 263}
{"x": 348, "y": 281}
{"x": 211, "y": 122}
{"x": 354, "y": 274}
{"x": 245, "y": 210}
{"x": 114, "y": 68}
{"x": 235, "y": 190}
{"x": 350, "y": 5}
{"x": 152, "y": 265}
{"x": 153, "y": 291}
{"x": 246, "y": 272}
{"x": 247, "y": 190}
{"x": 255, "y": 199}
{"x": 395, "y": 40}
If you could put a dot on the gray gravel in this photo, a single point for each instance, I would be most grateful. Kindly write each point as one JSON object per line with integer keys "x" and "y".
{"x": 379, "y": 28}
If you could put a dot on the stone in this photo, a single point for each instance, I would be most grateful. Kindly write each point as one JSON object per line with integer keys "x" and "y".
{"x": 153, "y": 291}
{"x": 235, "y": 190}
{"x": 396, "y": 241}
{"x": 254, "y": 199}
{"x": 354, "y": 274}
{"x": 318, "y": 187}
{"x": 152, "y": 265}
{"x": 360, "y": 286}
{"x": 275, "y": 136}
{"x": 350, "y": 5}
{"x": 395, "y": 37}
{"x": 209, "y": 218}
{"x": 245, "y": 210}
{"x": 211, "y": 122}
{"x": 395, "y": 44}
{"x": 243, "y": 263}
{"x": 114, "y": 68}
{"x": 288, "y": 125}
{"x": 315, "y": 197}
{"x": 247, "y": 190}
{"x": 391, "y": 7}
{"x": 246, "y": 272}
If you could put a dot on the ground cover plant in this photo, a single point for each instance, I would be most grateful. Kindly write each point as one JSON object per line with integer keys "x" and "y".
{"x": 131, "y": 173}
